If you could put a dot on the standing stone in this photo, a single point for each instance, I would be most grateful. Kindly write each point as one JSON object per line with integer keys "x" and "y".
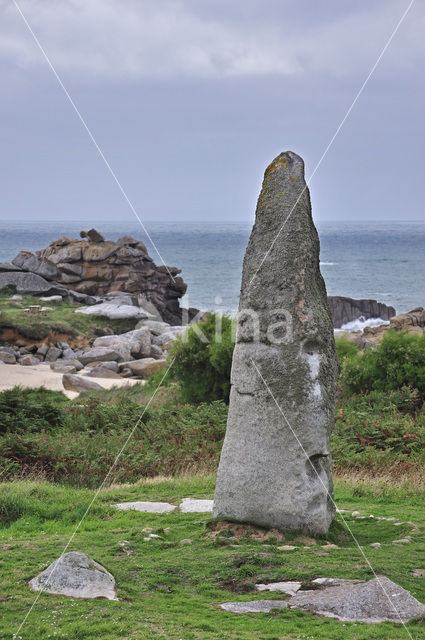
{"x": 265, "y": 476}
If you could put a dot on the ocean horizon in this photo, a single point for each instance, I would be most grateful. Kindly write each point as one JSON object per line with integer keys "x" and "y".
{"x": 384, "y": 261}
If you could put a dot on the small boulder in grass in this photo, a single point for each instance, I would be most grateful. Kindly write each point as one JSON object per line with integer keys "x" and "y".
{"x": 78, "y": 383}
{"x": 76, "y": 575}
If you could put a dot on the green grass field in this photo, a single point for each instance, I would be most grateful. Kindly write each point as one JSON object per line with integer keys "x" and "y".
{"x": 172, "y": 591}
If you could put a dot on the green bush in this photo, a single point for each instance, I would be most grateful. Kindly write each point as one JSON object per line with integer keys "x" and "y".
{"x": 345, "y": 349}
{"x": 203, "y": 369}
{"x": 398, "y": 361}
{"x": 26, "y": 410}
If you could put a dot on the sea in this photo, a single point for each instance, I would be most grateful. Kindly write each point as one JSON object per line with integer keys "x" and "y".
{"x": 384, "y": 261}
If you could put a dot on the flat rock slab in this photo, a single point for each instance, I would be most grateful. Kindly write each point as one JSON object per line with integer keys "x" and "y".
{"x": 377, "y": 600}
{"x": 145, "y": 507}
{"x": 192, "y": 505}
{"x": 77, "y": 575}
{"x": 255, "y": 606}
{"x": 290, "y": 588}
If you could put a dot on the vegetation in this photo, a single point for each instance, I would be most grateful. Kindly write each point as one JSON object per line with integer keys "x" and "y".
{"x": 201, "y": 368}
{"x": 169, "y": 590}
{"x": 398, "y": 361}
{"x": 61, "y": 318}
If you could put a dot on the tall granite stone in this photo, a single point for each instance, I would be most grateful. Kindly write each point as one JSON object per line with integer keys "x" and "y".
{"x": 275, "y": 466}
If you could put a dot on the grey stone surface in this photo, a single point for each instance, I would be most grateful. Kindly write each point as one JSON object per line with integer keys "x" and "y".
{"x": 7, "y": 358}
{"x": 264, "y": 477}
{"x": 290, "y": 588}
{"x": 114, "y": 311}
{"x": 255, "y": 606}
{"x": 144, "y": 367}
{"x": 77, "y": 575}
{"x": 8, "y": 266}
{"x": 102, "y": 372}
{"x": 378, "y": 600}
{"x": 99, "y": 354}
{"x": 145, "y": 507}
{"x": 66, "y": 366}
{"x": 53, "y": 354}
{"x": 51, "y": 298}
{"x": 30, "y": 284}
{"x": 29, "y": 361}
{"x": 29, "y": 262}
{"x": 156, "y": 327}
{"x": 193, "y": 505}
{"x": 77, "y": 383}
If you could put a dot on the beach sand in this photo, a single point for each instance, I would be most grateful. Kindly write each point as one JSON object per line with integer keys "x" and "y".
{"x": 41, "y": 375}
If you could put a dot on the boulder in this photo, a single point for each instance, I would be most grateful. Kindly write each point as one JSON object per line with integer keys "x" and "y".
{"x": 27, "y": 261}
{"x": 275, "y": 466}
{"x": 100, "y": 354}
{"x": 51, "y": 298}
{"x": 69, "y": 354}
{"x": 378, "y": 600}
{"x": 255, "y": 606}
{"x": 77, "y": 575}
{"x": 102, "y": 372}
{"x": 82, "y": 298}
{"x": 144, "y": 367}
{"x": 137, "y": 341}
{"x": 7, "y": 357}
{"x": 53, "y": 354}
{"x": 92, "y": 235}
{"x": 154, "y": 326}
{"x": 30, "y": 284}
{"x": 114, "y": 311}
{"x": 66, "y": 366}
{"x": 8, "y": 266}
{"x": 29, "y": 361}
{"x": 108, "y": 364}
{"x": 77, "y": 383}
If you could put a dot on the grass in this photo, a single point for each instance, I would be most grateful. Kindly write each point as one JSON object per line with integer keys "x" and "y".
{"x": 61, "y": 319}
{"x": 172, "y": 591}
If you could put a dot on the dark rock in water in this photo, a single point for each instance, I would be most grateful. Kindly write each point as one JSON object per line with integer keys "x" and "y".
{"x": 284, "y": 381}
{"x": 347, "y": 309}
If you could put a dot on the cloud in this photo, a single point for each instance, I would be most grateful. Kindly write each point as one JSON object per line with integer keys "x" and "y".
{"x": 161, "y": 39}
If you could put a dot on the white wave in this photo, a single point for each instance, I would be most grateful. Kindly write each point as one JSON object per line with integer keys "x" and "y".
{"x": 360, "y": 323}
{"x": 327, "y": 264}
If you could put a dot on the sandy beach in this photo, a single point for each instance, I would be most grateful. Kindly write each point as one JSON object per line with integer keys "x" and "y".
{"x": 41, "y": 375}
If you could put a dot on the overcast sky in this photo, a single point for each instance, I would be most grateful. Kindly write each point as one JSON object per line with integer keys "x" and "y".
{"x": 190, "y": 100}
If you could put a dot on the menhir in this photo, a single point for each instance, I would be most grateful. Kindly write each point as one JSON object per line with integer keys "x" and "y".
{"x": 275, "y": 466}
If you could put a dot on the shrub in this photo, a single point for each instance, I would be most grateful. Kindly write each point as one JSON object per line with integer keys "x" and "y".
{"x": 31, "y": 409}
{"x": 398, "y": 361}
{"x": 203, "y": 369}
{"x": 345, "y": 349}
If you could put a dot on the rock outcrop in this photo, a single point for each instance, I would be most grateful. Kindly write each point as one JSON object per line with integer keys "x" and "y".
{"x": 275, "y": 466}
{"x": 93, "y": 266}
{"x": 348, "y": 309}
{"x": 413, "y": 322}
